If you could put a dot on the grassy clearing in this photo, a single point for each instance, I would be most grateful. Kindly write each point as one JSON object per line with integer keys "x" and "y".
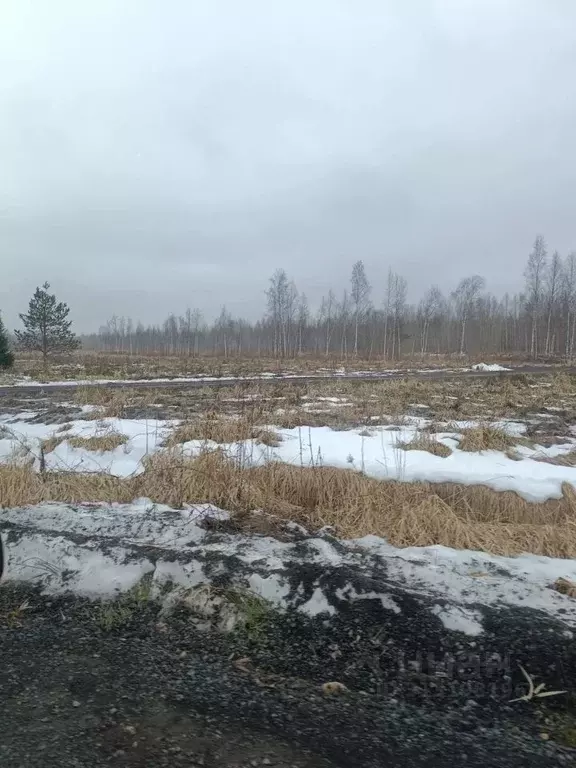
{"x": 425, "y": 442}
{"x": 407, "y": 514}
{"x": 347, "y": 404}
{"x": 107, "y": 442}
{"x": 222, "y": 430}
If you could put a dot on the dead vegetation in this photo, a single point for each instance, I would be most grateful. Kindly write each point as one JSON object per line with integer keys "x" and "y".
{"x": 53, "y": 442}
{"x": 565, "y": 587}
{"x": 407, "y": 514}
{"x": 114, "y": 366}
{"x": 344, "y": 404}
{"x": 222, "y": 430}
{"x": 411, "y": 513}
{"x": 105, "y": 442}
{"x": 425, "y": 442}
{"x": 564, "y": 460}
{"x": 485, "y": 437}
{"x": 108, "y": 402}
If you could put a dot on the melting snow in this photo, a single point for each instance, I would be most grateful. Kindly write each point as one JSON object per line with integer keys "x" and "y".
{"x": 374, "y": 451}
{"x": 93, "y": 549}
{"x": 486, "y": 367}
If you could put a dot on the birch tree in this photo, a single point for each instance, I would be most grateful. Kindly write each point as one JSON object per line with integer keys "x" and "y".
{"x": 464, "y": 296}
{"x": 360, "y": 295}
{"x": 553, "y": 276}
{"x": 535, "y": 275}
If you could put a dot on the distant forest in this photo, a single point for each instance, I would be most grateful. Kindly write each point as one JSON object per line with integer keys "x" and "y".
{"x": 537, "y": 322}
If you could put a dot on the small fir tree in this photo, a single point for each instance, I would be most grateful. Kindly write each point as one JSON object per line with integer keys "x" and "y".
{"x": 46, "y": 325}
{"x": 6, "y": 356}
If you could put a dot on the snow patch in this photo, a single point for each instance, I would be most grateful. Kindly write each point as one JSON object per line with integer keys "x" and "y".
{"x": 99, "y": 550}
{"x": 317, "y": 605}
{"x": 459, "y": 619}
{"x": 487, "y": 367}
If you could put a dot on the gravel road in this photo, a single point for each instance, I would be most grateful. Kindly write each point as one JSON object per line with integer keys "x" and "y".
{"x": 158, "y": 692}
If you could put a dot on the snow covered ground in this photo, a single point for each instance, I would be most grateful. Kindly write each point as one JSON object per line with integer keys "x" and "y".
{"x": 99, "y": 550}
{"x": 374, "y": 451}
{"x": 21, "y": 441}
{"x": 486, "y": 367}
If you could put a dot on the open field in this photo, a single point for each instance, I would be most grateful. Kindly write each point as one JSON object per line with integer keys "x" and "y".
{"x": 476, "y": 464}
{"x": 265, "y": 533}
{"x": 98, "y": 365}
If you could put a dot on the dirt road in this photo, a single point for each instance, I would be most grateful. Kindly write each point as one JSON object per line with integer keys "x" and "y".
{"x": 217, "y": 383}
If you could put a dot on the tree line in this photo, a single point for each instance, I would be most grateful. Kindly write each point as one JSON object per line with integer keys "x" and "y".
{"x": 536, "y": 322}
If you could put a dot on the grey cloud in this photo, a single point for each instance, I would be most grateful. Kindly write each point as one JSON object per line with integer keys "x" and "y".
{"x": 156, "y": 156}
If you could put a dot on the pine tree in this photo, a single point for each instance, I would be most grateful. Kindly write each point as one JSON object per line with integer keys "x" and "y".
{"x": 46, "y": 326}
{"x": 6, "y": 356}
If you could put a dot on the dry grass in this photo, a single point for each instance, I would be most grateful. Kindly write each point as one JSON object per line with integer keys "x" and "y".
{"x": 107, "y": 442}
{"x": 112, "y": 402}
{"x": 565, "y": 587}
{"x": 565, "y": 460}
{"x": 289, "y": 403}
{"x": 222, "y": 430}
{"x": 52, "y": 443}
{"x": 407, "y": 514}
{"x": 485, "y": 437}
{"x": 86, "y": 365}
{"x": 425, "y": 442}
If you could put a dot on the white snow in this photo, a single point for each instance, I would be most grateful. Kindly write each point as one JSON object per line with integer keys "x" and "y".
{"x": 459, "y": 619}
{"x": 477, "y": 577}
{"x": 21, "y": 441}
{"x": 374, "y": 451}
{"x": 89, "y": 549}
{"x": 487, "y": 367}
{"x": 377, "y": 454}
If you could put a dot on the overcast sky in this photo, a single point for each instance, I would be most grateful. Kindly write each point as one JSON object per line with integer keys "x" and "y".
{"x": 158, "y": 155}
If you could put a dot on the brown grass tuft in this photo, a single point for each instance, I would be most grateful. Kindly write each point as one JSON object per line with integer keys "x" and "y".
{"x": 565, "y": 587}
{"x": 425, "y": 442}
{"x": 485, "y": 437}
{"x": 565, "y": 460}
{"x": 107, "y": 442}
{"x": 222, "y": 430}
{"x": 52, "y": 443}
{"x": 111, "y": 402}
